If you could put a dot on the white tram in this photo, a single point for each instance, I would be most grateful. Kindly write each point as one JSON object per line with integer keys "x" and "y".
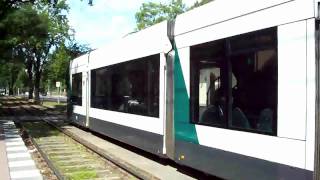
{"x": 230, "y": 88}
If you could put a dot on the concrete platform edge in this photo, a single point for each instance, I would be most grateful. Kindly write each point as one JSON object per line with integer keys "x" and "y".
{"x": 4, "y": 168}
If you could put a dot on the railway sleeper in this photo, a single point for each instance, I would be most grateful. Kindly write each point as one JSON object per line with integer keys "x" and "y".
{"x": 72, "y": 162}
{"x": 89, "y": 174}
{"x": 60, "y": 149}
{"x": 62, "y": 153}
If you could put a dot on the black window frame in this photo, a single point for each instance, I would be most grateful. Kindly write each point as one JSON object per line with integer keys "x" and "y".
{"x": 227, "y": 80}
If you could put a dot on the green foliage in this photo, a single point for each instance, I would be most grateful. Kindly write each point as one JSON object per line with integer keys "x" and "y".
{"x": 4, "y": 76}
{"x": 59, "y": 65}
{"x": 9, "y": 73}
{"x": 22, "y": 79}
{"x": 58, "y": 33}
{"x": 151, "y": 13}
{"x": 75, "y": 50}
{"x": 197, "y": 4}
{"x": 30, "y": 33}
{"x": 25, "y": 28}
{"x": 85, "y": 174}
{"x": 57, "y": 68}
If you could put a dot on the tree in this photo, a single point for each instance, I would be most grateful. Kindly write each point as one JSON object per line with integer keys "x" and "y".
{"x": 58, "y": 32}
{"x": 151, "y": 13}
{"x": 197, "y": 4}
{"x": 56, "y": 69}
{"x": 6, "y": 8}
{"x": 21, "y": 82}
{"x": 31, "y": 31}
{"x": 75, "y": 49}
{"x": 54, "y": 2}
{"x": 23, "y": 29}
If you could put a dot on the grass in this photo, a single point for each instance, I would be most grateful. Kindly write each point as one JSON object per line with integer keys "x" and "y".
{"x": 82, "y": 175}
{"x": 53, "y": 104}
{"x": 75, "y": 169}
{"x": 41, "y": 129}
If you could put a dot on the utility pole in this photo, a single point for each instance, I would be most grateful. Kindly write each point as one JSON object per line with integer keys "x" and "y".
{"x": 58, "y": 84}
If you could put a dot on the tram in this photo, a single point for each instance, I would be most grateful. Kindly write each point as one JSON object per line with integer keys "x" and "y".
{"x": 230, "y": 88}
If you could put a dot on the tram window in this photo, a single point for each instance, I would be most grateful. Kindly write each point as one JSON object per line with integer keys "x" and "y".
{"x": 76, "y": 96}
{"x": 254, "y": 95}
{"x": 210, "y": 97}
{"x": 237, "y": 86}
{"x": 251, "y": 41}
{"x": 207, "y": 88}
{"x": 99, "y": 88}
{"x": 130, "y": 87}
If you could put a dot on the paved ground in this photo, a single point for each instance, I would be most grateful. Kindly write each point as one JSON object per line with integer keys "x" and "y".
{"x": 4, "y": 168}
{"x": 16, "y": 163}
{"x": 50, "y": 98}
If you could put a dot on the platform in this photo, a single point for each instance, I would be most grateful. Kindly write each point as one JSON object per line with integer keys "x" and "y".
{"x": 15, "y": 160}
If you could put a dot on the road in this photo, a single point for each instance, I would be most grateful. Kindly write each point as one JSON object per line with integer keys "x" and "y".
{"x": 51, "y": 98}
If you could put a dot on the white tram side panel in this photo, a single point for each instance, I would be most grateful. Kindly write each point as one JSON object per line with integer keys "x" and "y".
{"x": 78, "y": 71}
{"x": 292, "y": 146}
{"x": 151, "y": 42}
{"x": 311, "y": 94}
{"x": 144, "y": 43}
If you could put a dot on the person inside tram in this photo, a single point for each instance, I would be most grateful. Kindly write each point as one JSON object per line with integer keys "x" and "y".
{"x": 213, "y": 114}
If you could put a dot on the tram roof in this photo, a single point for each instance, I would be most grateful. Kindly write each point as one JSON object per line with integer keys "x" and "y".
{"x": 152, "y": 40}
{"x": 219, "y": 11}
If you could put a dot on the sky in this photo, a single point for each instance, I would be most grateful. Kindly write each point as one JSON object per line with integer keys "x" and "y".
{"x": 106, "y": 20}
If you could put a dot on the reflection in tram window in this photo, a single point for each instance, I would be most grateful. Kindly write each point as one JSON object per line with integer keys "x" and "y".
{"x": 76, "y": 96}
{"x": 210, "y": 107}
{"x": 207, "y": 95}
{"x": 130, "y": 87}
{"x": 234, "y": 82}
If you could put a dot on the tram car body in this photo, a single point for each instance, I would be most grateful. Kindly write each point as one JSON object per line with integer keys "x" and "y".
{"x": 228, "y": 88}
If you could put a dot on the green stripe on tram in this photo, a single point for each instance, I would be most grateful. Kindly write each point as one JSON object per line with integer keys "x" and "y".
{"x": 184, "y": 130}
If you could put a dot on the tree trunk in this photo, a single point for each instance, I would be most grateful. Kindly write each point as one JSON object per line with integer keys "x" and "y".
{"x": 30, "y": 78}
{"x": 37, "y": 77}
{"x": 37, "y": 88}
{"x": 10, "y": 90}
{"x": 30, "y": 84}
{"x": 11, "y": 79}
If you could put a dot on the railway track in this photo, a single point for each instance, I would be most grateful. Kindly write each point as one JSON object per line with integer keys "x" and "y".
{"x": 66, "y": 157}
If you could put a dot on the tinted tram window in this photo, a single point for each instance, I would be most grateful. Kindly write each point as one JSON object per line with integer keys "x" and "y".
{"x": 76, "y": 96}
{"x": 236, "y": 89}
{"x": 208, "y": 98}
{"x": 254, "y": 94}
{"x": 130, "y": 87}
